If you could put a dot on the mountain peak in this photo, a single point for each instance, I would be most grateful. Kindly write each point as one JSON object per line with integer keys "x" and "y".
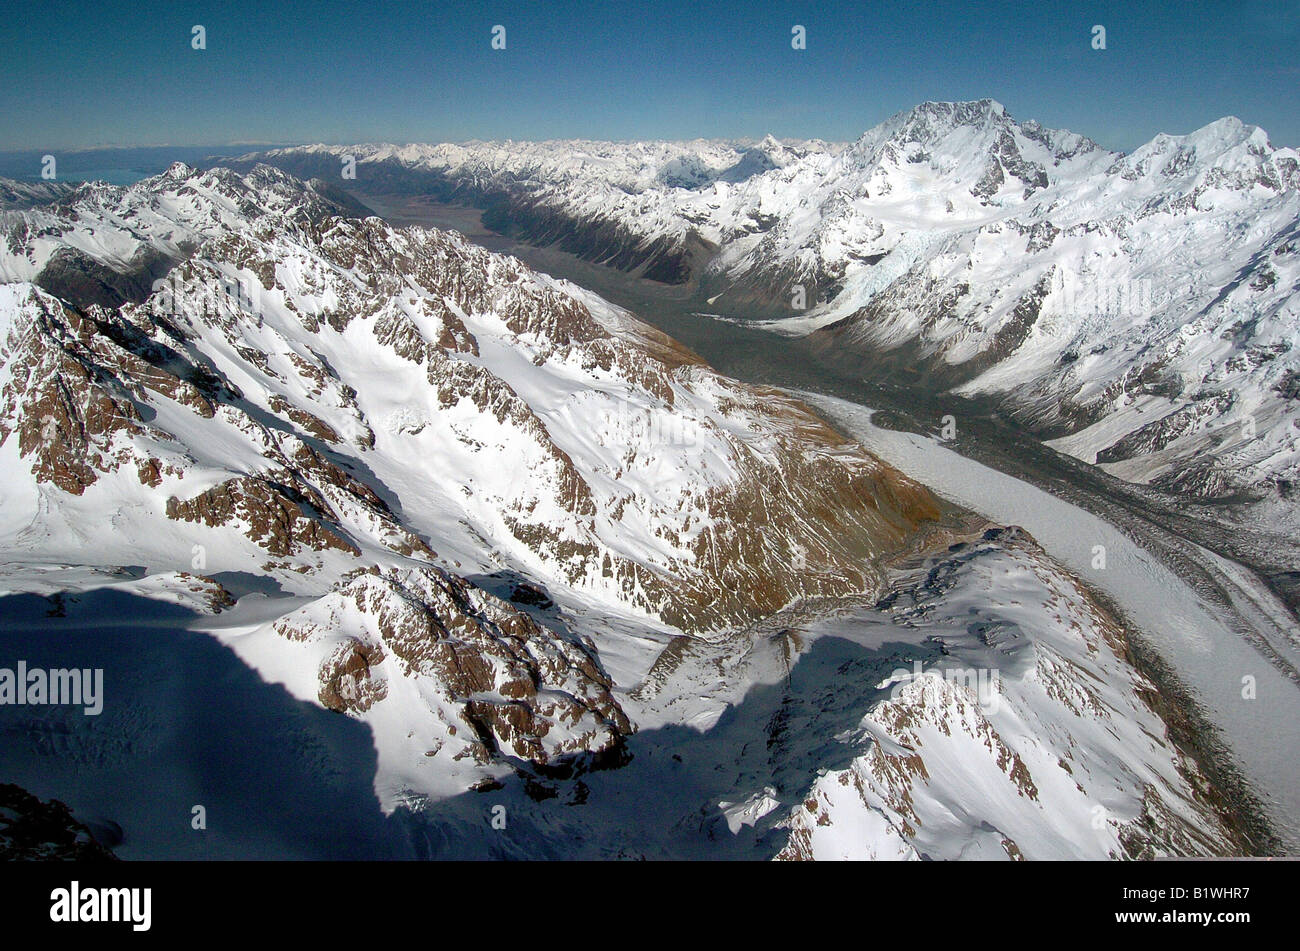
{"x": 929, "y": 123}
{"x": 986, "y": 105}
{"x": 961, "y": 112}
{"x": 1229, "y": 131}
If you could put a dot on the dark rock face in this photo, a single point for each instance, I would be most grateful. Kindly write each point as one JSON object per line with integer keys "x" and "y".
{"x": 82, "y": 281}
{"x": 34, "y": 830}
{"x": 530, "y": 594}
{"x": 278, "y": 515}
{"x": 501, "y": 683}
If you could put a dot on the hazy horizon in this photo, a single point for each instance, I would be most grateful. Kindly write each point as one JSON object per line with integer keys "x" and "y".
{"x": 133, "y": 78}
{"x": 24, "y": 164}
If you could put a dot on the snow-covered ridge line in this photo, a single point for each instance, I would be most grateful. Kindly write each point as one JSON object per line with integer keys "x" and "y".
{"x": 1196, "y": 637}
{"x": 16, "y": 195}
{"x": 355, "y": 390}
{"x": 1142, "y": 308}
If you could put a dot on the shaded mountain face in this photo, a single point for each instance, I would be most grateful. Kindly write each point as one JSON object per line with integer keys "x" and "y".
{"x": 16, "y": 196}
{"x": 1139, "y": 309}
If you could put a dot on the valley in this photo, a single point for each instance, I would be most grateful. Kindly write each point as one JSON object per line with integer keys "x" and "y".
{"x": 1239, "y": 583}
{"x": 600, "y": 524}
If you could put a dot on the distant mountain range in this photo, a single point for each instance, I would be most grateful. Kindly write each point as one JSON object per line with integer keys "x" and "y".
{"x": 1139, "y": 311}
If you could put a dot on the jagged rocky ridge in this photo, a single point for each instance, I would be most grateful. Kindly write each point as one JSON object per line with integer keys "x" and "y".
{"x": 453, "y": 677}
{"x": 1062, "y": 663}
{"x": 1140, "y": 309}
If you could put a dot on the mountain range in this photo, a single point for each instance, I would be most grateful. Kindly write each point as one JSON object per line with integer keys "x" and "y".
{"x": 1137, "y": 311}
{"x": 551, "y": 559}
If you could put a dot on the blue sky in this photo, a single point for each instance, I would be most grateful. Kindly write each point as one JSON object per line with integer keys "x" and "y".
{"x": 123, "y": 73}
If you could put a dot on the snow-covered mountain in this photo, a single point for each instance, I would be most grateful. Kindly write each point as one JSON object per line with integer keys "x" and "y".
{"x": 495, "y": 400}
{"x": 19, "y": 195}
{"x": 314, "y": 393}
{"x": 104, "y": 244}
{"x": 507, "y": 526}
{"x": 1140, "y": 310}
{"x": 640, "y": 206}
{"x": 995, "y": 604}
